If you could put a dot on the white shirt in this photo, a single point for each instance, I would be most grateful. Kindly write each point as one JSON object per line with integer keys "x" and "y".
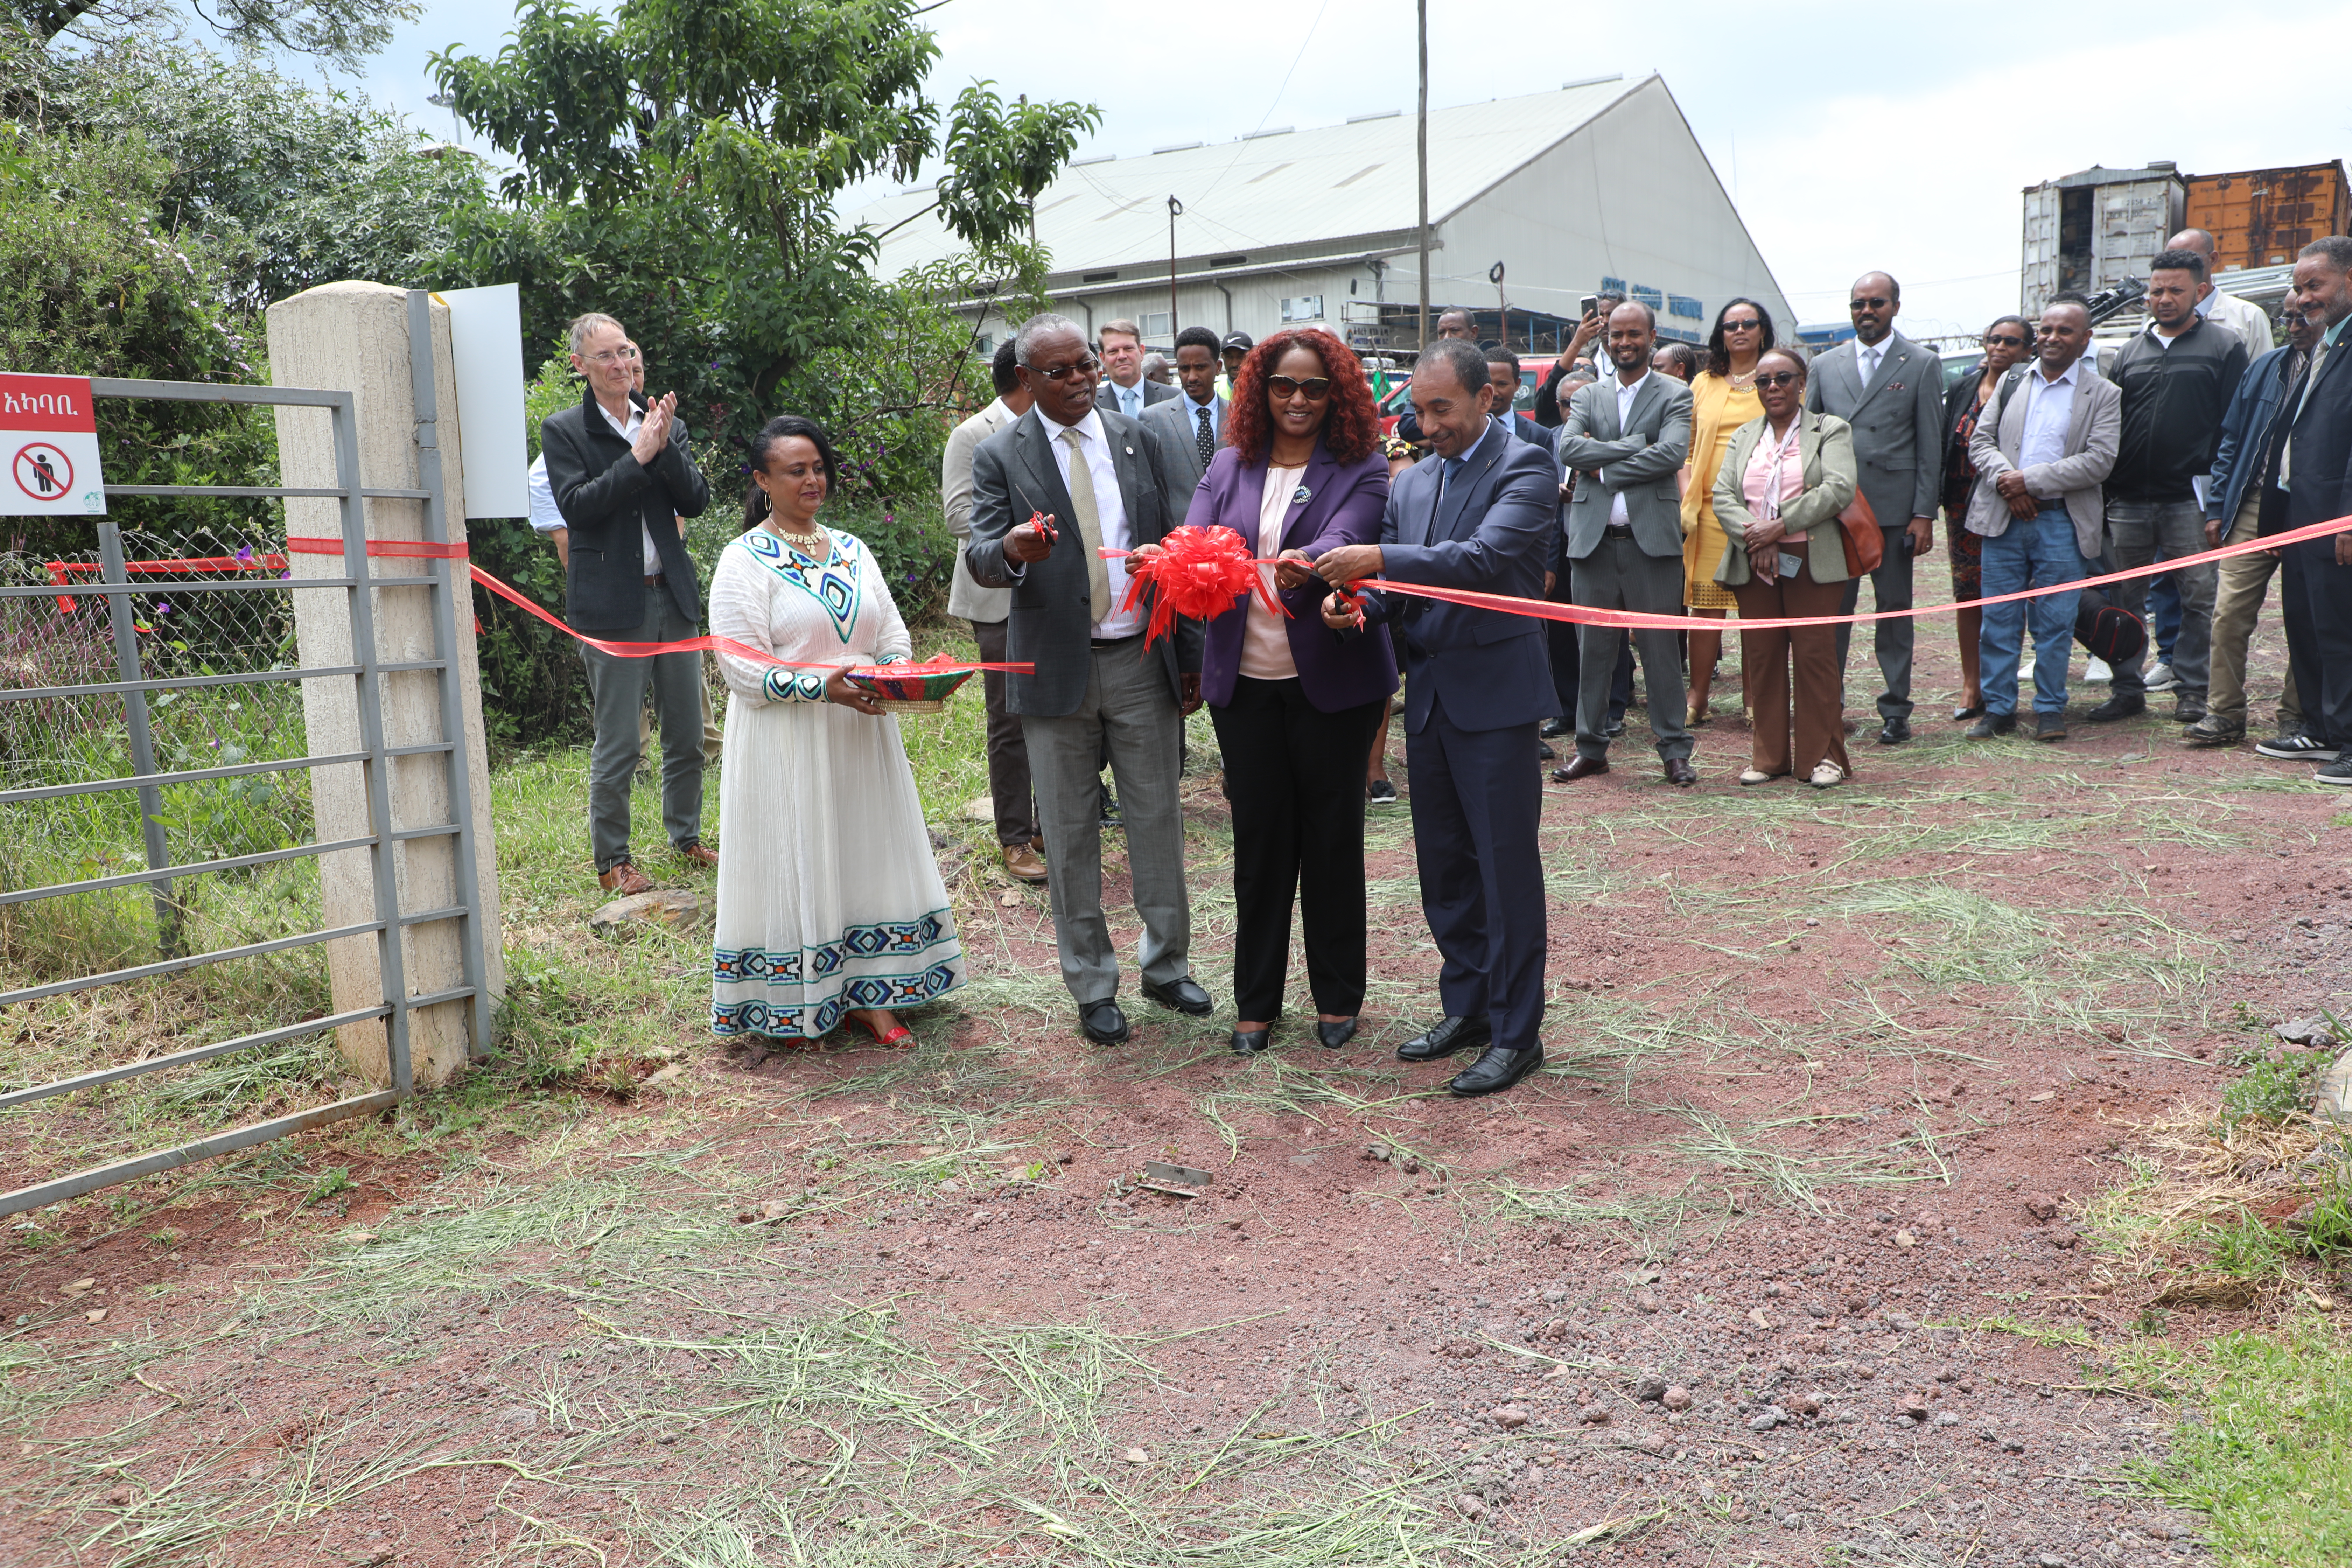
{"x": 629, "y": 433}
{"x": 1625, "y": 396}
{"x": 1110, "y": 511}
{"x": 1130, "y": 398}
{"x": 2049, "y": 409}
{"x": 543, "y": 515}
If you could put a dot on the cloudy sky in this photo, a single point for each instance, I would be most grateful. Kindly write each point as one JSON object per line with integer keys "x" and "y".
{"x": 1852, "y": 137}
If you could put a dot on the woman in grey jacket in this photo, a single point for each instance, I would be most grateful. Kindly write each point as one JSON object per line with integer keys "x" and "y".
{"x": 1778, "y": 495}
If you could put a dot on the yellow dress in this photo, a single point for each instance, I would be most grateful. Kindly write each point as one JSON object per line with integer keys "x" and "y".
{"x": 1717, "y": 411}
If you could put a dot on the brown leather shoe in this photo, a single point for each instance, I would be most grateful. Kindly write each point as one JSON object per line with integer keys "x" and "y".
{"x": 1680, "y": 772}
{"x": 1037, "y": 842}
{"x": 626, "y": 879}
{"x": 1023, "y": 864}
{"x": 699, "y": 853}
{"x": 1583, "y": 767}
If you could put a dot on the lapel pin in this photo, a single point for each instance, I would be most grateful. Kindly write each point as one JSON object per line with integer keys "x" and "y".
{"x": 1300, "y": 494}
{"x": 1131, "y": 451}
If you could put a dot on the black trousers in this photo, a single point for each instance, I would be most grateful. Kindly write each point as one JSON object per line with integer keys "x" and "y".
{"x": 1295, "y": 776}
{"x": 2317, "y": 597}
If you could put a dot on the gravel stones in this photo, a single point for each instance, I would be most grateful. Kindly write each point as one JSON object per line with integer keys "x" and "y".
{"x": 1594, "y": 1414}
{"x": 1509, "y": 1417}
{"x": 1651, "y": 1389}
{"x": 1676, "y": 1398}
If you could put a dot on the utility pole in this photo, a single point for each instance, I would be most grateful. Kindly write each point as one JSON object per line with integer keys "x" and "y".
{"x": 1175, "y": 208}
{"x": 1502, "y": 306}
{"x": 1422, "y": 158}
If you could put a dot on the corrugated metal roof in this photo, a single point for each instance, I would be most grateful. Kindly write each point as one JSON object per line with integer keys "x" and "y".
{"x": 1303, "y": 188}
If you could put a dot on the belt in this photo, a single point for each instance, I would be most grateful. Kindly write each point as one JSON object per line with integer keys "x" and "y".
{"x": 1617, "y": 531}
{"x": 1116, "y": 642}
{"x": 654, "y": 581}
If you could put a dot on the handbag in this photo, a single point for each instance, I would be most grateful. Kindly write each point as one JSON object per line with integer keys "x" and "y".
{"x": 2110, "y": 633}
{"x": 1865, "y": 547}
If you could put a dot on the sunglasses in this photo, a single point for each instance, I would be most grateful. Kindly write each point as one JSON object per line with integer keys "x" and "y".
{"x": 1086, "y": 366}
{"x": 1876, "y": 302}
{"x": 1779, "y": 378}
{"x": 1316, "y": 387}
{"x": 1749, "y": 325}
{"x": 2004, "y": 341}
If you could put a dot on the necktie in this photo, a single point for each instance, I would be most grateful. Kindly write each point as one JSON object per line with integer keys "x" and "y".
{"x": 1130, "y": 398}
{"x": 1206, "y": 438}
{"x": 1445, "y": 473}
{"x": 1869, "y": 366}
{"x": 1082, "y": 503}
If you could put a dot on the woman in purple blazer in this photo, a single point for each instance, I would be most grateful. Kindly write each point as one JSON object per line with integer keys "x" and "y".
{"x": 1296, "y": 708}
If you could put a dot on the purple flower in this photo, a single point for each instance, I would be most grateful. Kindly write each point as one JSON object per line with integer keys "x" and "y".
{"x": 244, "y": 556}
{"x": 163, "y": 609}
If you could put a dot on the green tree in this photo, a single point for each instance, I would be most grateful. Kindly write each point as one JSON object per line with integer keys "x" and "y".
{"x": 343, "y": 31}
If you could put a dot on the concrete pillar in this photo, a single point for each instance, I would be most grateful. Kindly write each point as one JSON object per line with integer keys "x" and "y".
{"x": 355, "y": 336}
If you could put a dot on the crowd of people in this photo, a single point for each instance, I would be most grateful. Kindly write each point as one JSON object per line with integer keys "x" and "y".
{"x": 1652, "y": 478}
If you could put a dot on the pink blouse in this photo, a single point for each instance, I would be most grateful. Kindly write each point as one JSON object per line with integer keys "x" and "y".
{"x": 1780, "y": 460}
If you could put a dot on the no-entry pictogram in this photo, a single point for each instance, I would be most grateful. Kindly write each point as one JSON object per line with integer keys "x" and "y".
{"x": 42, "y": 470}
{"x": 48, "y": 428}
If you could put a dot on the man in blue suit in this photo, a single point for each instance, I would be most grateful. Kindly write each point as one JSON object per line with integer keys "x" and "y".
{"x": 1479, "y": 683}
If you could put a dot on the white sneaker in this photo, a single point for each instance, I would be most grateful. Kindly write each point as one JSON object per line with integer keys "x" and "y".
{"x": 1827, "y": 775}
{"x": 2161, "y": 679}
{"x": 2025, "y": 670}
{"x": 2097, "y": 672}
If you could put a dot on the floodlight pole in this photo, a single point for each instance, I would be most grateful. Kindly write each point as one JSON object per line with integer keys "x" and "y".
{"x": 1422, "y": 158}
{"x": 1175, "y": 208}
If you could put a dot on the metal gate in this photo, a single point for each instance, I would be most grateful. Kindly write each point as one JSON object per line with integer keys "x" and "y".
{"x": 125, "y": 602}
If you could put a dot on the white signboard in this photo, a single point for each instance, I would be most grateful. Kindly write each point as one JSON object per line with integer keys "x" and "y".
{"x": 48, "y": 436}
{"x": 485, "y": 339}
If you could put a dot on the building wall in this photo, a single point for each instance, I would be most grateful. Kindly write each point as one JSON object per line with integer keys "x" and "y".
{"x": 1249, "y": 303}
{"x": 1630, "y": 196}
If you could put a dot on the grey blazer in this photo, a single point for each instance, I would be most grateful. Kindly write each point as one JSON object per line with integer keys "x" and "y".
{"x": 2094, "y": 430}
{"x": 1825, "y": 444}
{"x": 1013, "y": 475}
{"x": 1897, "y": 420}
{"x": 1107, "y": 397}
{"x": 1167, "y": 422}
{"x": 966, "y": 597}
{"x": 1639, "y": 462}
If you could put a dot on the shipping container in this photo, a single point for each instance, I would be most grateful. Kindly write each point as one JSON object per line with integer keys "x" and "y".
{"x": 2091, "y": 230}
{"x": 2261, "y": 217}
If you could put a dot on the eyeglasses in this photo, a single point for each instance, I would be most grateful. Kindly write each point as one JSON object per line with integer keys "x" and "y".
{"x": 1876, "y": 302}
{"x": 612, "y": 356}
{"x": 1086, "y": 366}
{"x": 1316, "y": 387}
{"x": 2004, "y": 342}
{"x": 1748, "y": 324}
{"x": 1779, "y": 378}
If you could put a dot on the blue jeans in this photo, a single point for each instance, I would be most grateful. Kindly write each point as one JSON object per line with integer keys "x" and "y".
{"x": 2033, "y": 551}
{"x": 2163, "y": 613}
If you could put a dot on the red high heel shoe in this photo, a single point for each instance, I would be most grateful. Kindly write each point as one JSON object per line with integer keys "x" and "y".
{"x": 900, "y": 1033}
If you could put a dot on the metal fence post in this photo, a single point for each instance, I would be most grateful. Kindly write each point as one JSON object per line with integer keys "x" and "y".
{"x": 447, "y": 595}
{"x": 143, "y": 739}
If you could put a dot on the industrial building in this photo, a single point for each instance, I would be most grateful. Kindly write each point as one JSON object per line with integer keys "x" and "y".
{"x": 1597, "y": 185}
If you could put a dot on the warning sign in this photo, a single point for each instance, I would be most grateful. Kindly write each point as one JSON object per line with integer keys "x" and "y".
{"x": 49, "y": 432}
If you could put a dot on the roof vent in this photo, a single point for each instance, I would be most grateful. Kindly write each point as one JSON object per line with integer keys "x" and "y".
{"x": 1228, "y": 260}
{"x": 1098, "y": 158}
{"x": 2167, "y": 164}
{"x": 1383, "y": 114}
{"x": 1592, "y": 81}
{"x": 1277, "y": 130}
{"x": 1098, "y": 278}
{"x": 1177, "y": 147}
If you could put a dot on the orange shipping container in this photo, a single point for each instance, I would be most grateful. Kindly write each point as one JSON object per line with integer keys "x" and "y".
{"x": 2261, "y": 217}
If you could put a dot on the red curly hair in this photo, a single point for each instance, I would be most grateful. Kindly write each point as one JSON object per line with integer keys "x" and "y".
{"x": 1352, "y": 426}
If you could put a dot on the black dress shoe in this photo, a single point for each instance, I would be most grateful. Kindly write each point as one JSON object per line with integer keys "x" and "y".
{"x": 1334, "y": 1036}
{"x": 1496, "y": 1070}
{"x": 1895, "y": 732}
{"x": 1616, "y": 728}
{"x": 1580, "y": 767}
{"x": 1962, "y": 715}
{"x": 1249, "y": 1042}
{"x": 1553, "y": 729}
{"x": 1990, "y": 725}
{"x": 1103, "y": 1022}
{"x": 2115, "y": 708}
{"x": 1181, "y": 994}
{"x": 1544, "y": 753}
{"x": 1450, "y": 1036}
{"x": 1680, "y": 771}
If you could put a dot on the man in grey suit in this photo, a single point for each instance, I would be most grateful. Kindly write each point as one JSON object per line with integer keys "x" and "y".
{"x": 1008, "y": 755}
{"x": 1891, "y": 390}
{"x": 1190, "y": 427}
{"x": 1099, "y": 480}
{"x": 1124, "y": 391}
{"x": 1624, "y": 440}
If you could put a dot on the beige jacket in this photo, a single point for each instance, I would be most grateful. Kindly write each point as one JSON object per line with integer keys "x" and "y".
{"x": 966, "y": 597}
{"x": 1825, "y": 443}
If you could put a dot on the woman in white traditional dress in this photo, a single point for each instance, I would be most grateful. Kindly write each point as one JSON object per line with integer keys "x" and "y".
{"x": 830, "y": 905}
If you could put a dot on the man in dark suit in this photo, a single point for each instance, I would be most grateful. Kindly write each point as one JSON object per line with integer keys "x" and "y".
{"x": 2311, "y": 481}
{"x": 1480, "y": 517}
{"x": 1891, "y": 390}
{"x": 1190, "y": 427}
{"x": 622, "y": 477}
{"x": 1624, "y": 440}
{"x": 1097, "y": 477}
{"x": 1124, "y": 390}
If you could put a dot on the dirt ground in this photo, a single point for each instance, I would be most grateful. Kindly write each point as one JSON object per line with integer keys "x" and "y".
{"x": 1790, "y": 1256}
